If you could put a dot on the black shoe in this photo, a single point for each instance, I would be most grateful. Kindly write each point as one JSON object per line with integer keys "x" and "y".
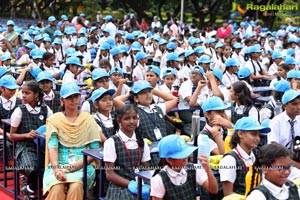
{"x": 27, "y": 193}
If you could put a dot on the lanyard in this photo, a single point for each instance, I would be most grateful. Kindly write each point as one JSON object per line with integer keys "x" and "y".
{"x": 246, "y": 168}
{"x": 129, "y": 155}
{"x": 52, "y": 100}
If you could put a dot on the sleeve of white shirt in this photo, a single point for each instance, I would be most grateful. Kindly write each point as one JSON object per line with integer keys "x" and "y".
{"x": 201, "y": 175}
{"x": 146, "y": 155}
{"x": 227, "y": 169}
{"x": 49, "y": 112}
{"x": 253, "y": 113}
{"x": 273, "y": 136}
{"x": 255, "y": 195}
{"x": 86, "y": 107}
{"x": 157, "y": 187}
{"x": 16, "y": 117}
{"x": 109, "y": 151}
{"x": 162, "y": 107}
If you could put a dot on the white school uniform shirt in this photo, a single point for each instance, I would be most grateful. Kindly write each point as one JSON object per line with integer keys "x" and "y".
{"x": 186, "y": 70}
{"x": 250, "y": 66}
{"x": 125, "y": 88}
{"x": 227, "y": 167}
{"x": 86, "y": 57}
{"x": 281, "y": 129}
{"x": 228, "y": 79}
{"x": 96, "y": 60}
{"x": 69, "y": 77}
{"x": 212, "y": 144}
{"x": 139, "y": 72}
{"x": 16, "y": 116}
{"x": 273, "y": 69}
{"x": 8, "y": 104}
{"x": 23, "y": 59}
{"x": 109, "y": 150}
{"x": 223, "y": 90}
{"x": 177, "y": 178}
{"x": 106, "y": 121}
{"x": 281, "y": 193}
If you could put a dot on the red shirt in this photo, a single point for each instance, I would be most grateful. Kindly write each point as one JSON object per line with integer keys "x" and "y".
{"x": 223, "y": 33}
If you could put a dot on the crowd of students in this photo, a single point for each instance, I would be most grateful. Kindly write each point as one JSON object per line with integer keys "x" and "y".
{"x": 122, "y": 88}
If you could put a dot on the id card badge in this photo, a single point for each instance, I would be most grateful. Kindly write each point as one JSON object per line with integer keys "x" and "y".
{"x": 157, "y": 133}
{"x": 71, "y": 159}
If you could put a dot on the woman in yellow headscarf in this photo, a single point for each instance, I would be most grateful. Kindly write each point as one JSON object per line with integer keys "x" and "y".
{"x": 68, "y": 133}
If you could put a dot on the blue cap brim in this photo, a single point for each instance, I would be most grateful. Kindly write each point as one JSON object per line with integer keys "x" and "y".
{"x": 183, "y": 154}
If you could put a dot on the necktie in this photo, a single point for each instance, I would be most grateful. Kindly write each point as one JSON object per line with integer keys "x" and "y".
{"x": 292, "y": 128}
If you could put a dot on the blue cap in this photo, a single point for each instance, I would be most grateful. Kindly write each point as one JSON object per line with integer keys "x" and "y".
{"x": 100, "y": 92}
{"x": 111, "y": 41}
{"x": 140, "y": 85}
{"x": 140, "y": 55}
{"x": 290, "y": 52}
{"x": 123, "y": 48}
{"x": 114, "y": 51}
{"x": 271, "y": 39}
{"x": 108, "y": 17}
{"x": 35, "y": 72}
{"x": 99, "y": 73}
{"x": 237, "y": 45}
{"x": 219, "y": 45}
{"x": 70, "y": 51}
{"x": 73, "y": 61}
{"x": 218, "y": 73}
{"x": 129, "y": 36}
{"x": 172, "y": 39}
{"x": 244, "y": 72}
{"x": 199, "y": 49}
{"x": 154, "y": 69}
{"x": 290, "y": 60}
{"x": 44, "y": 75}
{"x": 171, "y": 46}
{"x": 30, "y": 45}
{"x": 242, "y": 24}
{"x": 282, "y": 86}
{"x": 199, "y": 69}
{"x": 156, "y": 37}
{"x": 269, "y": 51}
{"x": 276, "y": 55}
{"x": 210, "y": 40}
{"x": 68, "y": 89}
{"x": 82, "y": 15}
{"x": 168, "y": 71}
{"x": 116, "y": 69}
{"x": 173, "y": 56}
{"x": 5, "y": 57}
{"x": 173, "y": 146}
{"x": 162, "y": 42}
{"x": 38, "y": 37}
{"x": 204, "y": 59}
{"x": 136, "y": 33}
{"x": 293, "y": 74}
{"x": 289, "y": 96}
{"x": 82, "y": 31}
{"x": 57, "y": 33}
{"x": 10, "y": 23}
{"x": 81, "y": 42}
{"x": 27, "y": 37}
{"x": 104, "y": 46}
{"x": 8, "y": 81}
{"x": 135, "y": 46}
{"x": 196, "y": 41}
{"x": 93, "y": 28}
{"x": 64, "y": 17}
{"x": 213, "y": 103}
{"x": 36, "y": 53}
{"x": 298, "y": 38}
{"x": 291, "y": 40}
{"x": 254, "y": 49}
{"x": 41, "y": 132}
{"x": 57, "y": 41}
{"x": 51, "y": 19}
{"x": 3, "y": 70}
{"x": 250, "y": 124}
{"x": 231, "y": 62}
{"x": 248, "y": 35}
{"x": 187, "y": 53}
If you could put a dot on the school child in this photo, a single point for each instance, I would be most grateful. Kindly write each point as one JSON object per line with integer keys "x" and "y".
{"x": 51, "y": 98}
{"x": 189, "y": 63}
{"x": 153, "y": 77}
{"x": 24, "y": 59}
{"x": 102, "y": 53}
{"x": 275, "y": 164}
{"x": 234, "y": 166}
{"x": 268, "y": 111}
{"x": 116, "y": 55}
{"x": 4, "y": 71}
{"x": 204, "y": 61}
{"x": 24, "y": 121}
{"x": 130, "y": 61}
{"x": 117, "y": 82}
{"x": 105, "y": 64}
{"x": 291, "y": 62}
{"x": 71, "y": 70}
{"x": 139, "y": 72}
{"x": 237, "y": 47}
{"x": 281, "y": 74}
{"x": 8, "y": 103}
{"x": 36, "y": 55}
{"x": 103, "y": 106}
{"x": 59, "y": 54}
{"x": 230, "y": 76}
{"x": 216, "y": 120}
{"x": 27, "y": 74}
{"x": 6, "y": 59}
{"x": 293, "y": 76}
{"x": 81, "y": 49}
{"x": 125, "y": 153}
{"x": 243, "y": 104}
{"x": 178, "y": 179}
{"x": 47, "y": 65}
{"x": 276, "y": 60}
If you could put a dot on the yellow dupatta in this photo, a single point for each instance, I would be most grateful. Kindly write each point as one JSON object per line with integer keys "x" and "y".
{"x": 72, "y": 134}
